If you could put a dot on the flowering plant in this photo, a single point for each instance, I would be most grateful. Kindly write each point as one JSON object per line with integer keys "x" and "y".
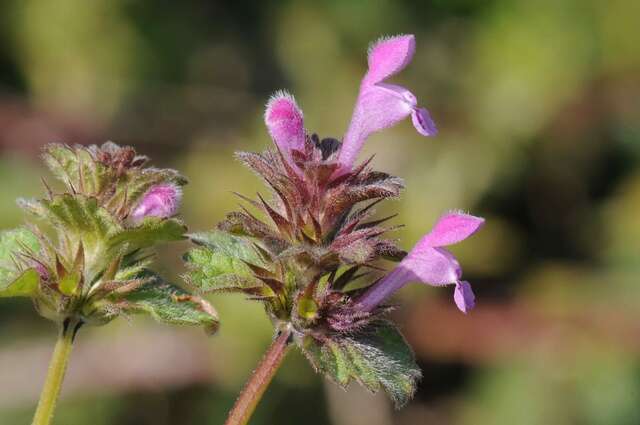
{"x": 85, "y": 259}
{"x": 314, "y": 259}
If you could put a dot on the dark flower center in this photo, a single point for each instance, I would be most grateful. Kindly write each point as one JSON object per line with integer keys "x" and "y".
{"x": 328, "y": 145}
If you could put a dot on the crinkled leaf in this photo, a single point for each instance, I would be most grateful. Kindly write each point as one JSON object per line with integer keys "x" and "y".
{"x": 133, "y": 269}
{"x": 211, "y": 270}
{"x": 170, "y": 304}
{"x": 15, "y": 282}
{"x": 14, "y": 241}
{"x": 24, "y": 285}
{"x": 75, "y": 213}
{"x": 229, "y": 244}
{"x": 377, "y": 357}
{"x": 61, "y": 160}
{"x": 77, "y": 168}
{"x": 79, "y": 219}
{"x": 221, "y": 263}
{"x": 151, "y": 231}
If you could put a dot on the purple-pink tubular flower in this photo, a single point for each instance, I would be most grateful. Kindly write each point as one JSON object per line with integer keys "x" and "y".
{"x": 428, "y": 262}
{"x": 161, "y": 200}
{"x": 380, "y": 105}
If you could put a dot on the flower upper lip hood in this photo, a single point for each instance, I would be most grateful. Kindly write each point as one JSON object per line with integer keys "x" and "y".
{"x": 379, "y": 105}
{"x": 285, "y": 122}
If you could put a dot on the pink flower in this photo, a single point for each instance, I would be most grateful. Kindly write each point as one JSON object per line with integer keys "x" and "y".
{"x": 285, "y": 122}
{"x": 380, "y": 105}
{"x": 428, "y": 262}
{"x": 159, "y": 201}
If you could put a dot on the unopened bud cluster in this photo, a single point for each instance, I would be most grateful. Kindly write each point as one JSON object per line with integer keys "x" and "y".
{"x": 85, "y": 257}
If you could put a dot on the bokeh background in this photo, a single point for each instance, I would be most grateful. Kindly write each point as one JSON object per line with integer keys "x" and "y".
{"x": 538, "y": 105}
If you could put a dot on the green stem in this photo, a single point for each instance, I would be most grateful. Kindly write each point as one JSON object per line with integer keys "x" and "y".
{"x": 55, "y": 375}
{"x": 259, "y": 380}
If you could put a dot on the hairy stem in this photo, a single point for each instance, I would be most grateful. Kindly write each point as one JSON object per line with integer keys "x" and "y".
{"x": 55, "y": 375}
{"x": 259, "y": 380}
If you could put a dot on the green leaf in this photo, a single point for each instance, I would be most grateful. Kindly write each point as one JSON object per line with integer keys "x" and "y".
{"x": 133, "y": 269}
{"x": 75, "y": 213}
{"x": 15, "y": 241}
{"x": 79, "y": 219}
{"x": 170, "y": 304}
{"x": 62, "y": 161}
{"x": 230, "y": 245}
{"x": 221, "y": 264}
{"x": 378, "y": 357}
{"x": 151, "y": 231}
{"x": 216, "y": 271}
{"x": 24, "y": 285}
{"x": 14, "y": 281}
{"x": 77, "y": 168}
{"x": 68, "y": 285}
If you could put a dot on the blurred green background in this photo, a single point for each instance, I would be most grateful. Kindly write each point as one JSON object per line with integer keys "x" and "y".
{"x": 538, "y": 105}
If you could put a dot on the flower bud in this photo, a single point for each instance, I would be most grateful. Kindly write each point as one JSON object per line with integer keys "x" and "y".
{"x": 162, "y": 201}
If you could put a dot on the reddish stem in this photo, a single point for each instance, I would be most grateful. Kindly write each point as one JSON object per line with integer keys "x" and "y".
{"x": 259, "y": 381}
